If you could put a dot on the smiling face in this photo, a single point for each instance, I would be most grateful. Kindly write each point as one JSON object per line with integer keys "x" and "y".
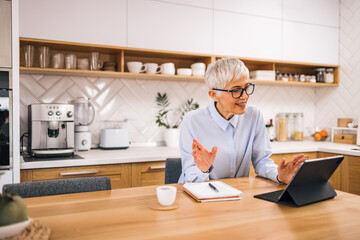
{"x": 226, "y": 105}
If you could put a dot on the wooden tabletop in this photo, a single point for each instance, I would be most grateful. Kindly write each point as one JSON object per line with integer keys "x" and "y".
{"x": 124, "y": 213}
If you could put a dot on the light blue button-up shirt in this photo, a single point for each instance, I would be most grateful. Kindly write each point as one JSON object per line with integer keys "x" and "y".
{"x": 241, "y": 140}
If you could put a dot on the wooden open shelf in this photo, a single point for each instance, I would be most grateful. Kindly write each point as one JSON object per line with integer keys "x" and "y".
{"x": 122, "y": 55}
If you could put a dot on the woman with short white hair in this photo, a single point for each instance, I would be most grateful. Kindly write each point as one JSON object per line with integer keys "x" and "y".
{"x": 234, "y": 131}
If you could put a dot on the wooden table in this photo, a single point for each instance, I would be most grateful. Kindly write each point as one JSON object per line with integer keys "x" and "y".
{"x": 124, "y": 213}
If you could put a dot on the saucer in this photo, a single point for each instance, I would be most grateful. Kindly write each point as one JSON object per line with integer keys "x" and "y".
{"x": 155, "y": 205}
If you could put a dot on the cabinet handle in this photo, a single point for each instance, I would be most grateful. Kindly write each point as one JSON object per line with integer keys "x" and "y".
{"x": 79, "y": 173}
{"x": 157, "y": 167}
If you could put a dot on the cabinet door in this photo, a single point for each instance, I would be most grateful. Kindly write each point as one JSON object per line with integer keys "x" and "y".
{"x": 265, "y": 8}
{"x": 310, "y": 43}
{"x": 5, "y": 33}
{"x": 246, "y": 36}
{"x": 149, "y": 173}
{"x": 96, "y": 21}
{"x": 323, "y": 12}
{"x": 350, "y": 174}
{"x": 120, "y": 174}
{"x": 166, "y": 26}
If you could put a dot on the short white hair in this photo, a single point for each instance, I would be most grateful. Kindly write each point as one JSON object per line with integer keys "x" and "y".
{"x": 224, "y": 71}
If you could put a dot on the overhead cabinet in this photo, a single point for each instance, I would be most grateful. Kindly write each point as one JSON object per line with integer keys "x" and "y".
{"x": 5, "y": 34}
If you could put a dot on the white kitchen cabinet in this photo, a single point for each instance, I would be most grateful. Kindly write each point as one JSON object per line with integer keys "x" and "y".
{"x": 166, "y": 26}
{"x": 310, "y": 43}
{"x": 197, "y": 3}
{"x": 323, "y": 12}
{"x": 87, "y": 21}
{"x": 266, "y": 8}
{"x": 246, "y": 36}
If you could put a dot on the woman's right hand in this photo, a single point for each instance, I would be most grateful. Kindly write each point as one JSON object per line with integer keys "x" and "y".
{"x": 202, "y": 157}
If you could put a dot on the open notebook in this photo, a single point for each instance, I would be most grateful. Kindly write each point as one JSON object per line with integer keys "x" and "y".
{"x": 202, "y": 192}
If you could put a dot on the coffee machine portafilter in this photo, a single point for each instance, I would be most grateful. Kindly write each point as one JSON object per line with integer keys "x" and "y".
{"x": 51, "y": 129}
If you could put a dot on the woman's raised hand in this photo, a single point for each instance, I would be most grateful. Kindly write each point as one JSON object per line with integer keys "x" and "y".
{"x": 202, "y": 157}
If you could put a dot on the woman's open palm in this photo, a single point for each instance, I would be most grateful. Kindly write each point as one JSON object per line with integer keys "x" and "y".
{"x": 202, "y": 157}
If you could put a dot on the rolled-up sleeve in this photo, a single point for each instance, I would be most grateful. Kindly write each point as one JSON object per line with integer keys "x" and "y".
{"x": 190, "y": 172}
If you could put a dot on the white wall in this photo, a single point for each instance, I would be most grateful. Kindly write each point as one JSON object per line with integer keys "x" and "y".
{"x": 344, "y": 101}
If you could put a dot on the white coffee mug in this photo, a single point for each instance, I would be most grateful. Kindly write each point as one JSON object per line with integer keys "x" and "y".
{"x": 168, "y": 68}
{"x": 198, "y": 65}
{"x": 166, "y": 195}
{"x": 152, "y": 68}
{"x": 136, "y": 67}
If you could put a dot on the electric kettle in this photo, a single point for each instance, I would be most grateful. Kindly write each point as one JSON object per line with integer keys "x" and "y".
{"x": 84, "y": 113}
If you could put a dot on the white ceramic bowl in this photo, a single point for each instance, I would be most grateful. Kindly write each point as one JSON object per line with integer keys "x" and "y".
{"x": 184, "y": 71}
{"x": 13, "y": 229}
{"x": 198, "y": 65}
{"x": 198, "y": 72}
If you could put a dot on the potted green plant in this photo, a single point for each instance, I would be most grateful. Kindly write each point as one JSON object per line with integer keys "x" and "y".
{"x": 162, "y": 120}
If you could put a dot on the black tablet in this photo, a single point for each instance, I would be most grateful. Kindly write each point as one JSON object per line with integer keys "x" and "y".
{"x": 308, "y": 185}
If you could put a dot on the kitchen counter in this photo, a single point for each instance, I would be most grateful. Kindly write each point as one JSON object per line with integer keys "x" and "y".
{"x": 149, "y": 154}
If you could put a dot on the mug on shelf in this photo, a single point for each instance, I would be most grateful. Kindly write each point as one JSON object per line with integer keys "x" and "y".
{"x": 95, "y": 63}
{"x": 152, "y": 68}
{"x": 168, "y": 68}
{"x": 83, "y": 63}
{"x": 58, "y": 60}
{"x": 136, "y": 67}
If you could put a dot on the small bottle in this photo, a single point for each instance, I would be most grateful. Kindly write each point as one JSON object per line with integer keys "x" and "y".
{"x": 271, "y": 131}
{"x": 284, "y": 77}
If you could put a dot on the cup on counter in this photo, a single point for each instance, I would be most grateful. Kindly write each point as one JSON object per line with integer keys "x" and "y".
{"x": 70, "y": 61}
{"x": 83, "y": 63}
{"x": 29, "y": 52}
{"x": 168, "y": 68}
{"x": 136, "y": 67}
{"x": 166, "y": 195}
{"x": 184, "y": 71}
{"x": 152, "y": 68}
{"x": 58, "y": 60}
{"x": 44, "y": 56}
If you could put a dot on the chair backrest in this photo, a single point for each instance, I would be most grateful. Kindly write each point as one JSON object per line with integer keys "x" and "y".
{"x": 59, "y": 186}
{"x": 173, "y": 169}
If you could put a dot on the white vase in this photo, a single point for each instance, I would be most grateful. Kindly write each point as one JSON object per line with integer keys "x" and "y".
{"x": 172, "y": 137}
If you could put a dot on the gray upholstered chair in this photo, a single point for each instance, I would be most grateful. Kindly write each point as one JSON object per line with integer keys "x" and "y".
{"x": 59, "y": 186}
{"x": 173, "y": 169}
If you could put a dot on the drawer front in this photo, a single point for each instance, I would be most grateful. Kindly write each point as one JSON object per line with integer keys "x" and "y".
{"x": 146, "y": 174}
{"x": 120, "y": 175}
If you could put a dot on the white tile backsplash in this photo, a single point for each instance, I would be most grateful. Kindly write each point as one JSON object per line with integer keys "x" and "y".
{"x": 120, "y": 99}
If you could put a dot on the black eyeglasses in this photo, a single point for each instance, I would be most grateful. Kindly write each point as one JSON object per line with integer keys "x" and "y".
{"x": 238, "y": 92}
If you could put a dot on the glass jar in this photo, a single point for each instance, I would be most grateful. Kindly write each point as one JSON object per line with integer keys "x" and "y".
{"x": 281, "y": 127}
{"x": 298, "y": 127}
{"x": 320, "y": 74}
{"x": 285, "y": 77}
{"x": 313, "y": 79}
{"x": 290, "y": 125}
{"x": 329, "y": 75}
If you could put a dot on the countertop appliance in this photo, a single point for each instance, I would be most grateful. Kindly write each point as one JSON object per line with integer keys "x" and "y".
{"x": 84, "y": 116}
{"x": 51, "y": 129}
{"x": 117, "y": 138}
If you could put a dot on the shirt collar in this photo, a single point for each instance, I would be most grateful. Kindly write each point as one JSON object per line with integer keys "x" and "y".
{"x": 220, "y": 121}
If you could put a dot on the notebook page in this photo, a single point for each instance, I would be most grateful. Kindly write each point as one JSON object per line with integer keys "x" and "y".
{"x": 204, "y": 191}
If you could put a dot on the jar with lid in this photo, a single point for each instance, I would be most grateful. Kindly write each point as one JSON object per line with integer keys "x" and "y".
{"x": 285, "y": 77}
{"x": 329, "y": 75}
{"x": 281, "y": 127}
{"x": 298, "y": 127}
{"x": 313, "y": 79}
{"x": 290, "y": 125}
{"x": 320, "y": 74}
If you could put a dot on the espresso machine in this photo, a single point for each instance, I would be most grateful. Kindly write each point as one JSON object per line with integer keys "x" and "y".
{"x": 51, "y": 130}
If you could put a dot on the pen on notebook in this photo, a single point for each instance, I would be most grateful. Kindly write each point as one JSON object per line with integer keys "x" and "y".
{"x": 213, "y": 187}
